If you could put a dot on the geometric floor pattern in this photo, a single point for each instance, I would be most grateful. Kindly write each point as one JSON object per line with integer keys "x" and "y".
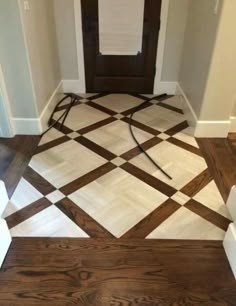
{"x": 91, "y": 180}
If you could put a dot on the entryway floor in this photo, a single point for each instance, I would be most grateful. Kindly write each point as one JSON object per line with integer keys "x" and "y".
{"x": 91, "y": 180}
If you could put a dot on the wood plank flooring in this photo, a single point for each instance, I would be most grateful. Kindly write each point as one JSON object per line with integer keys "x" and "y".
{"x": 94, "y": 272}
{"x": 15, "y": 154}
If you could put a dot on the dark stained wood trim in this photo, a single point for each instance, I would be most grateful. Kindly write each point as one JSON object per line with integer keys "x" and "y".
{"x": 131, "y": 110}
{"x": 82, "y": 219}
{"x": 136, "y": 151}
{"x": 38, "y": 182}
{"x": 208, "y": 214}
{"x": 87, "y": 178}
{"x": 149, "y": 179}
{"x": 178, "y": 128}
{"x": 170, "y": 107}
{"x": 184, "y": 146}
{"x": 96, "y": 125}
{"x": 52, "y": 144}
{"x": 153, "y": 220}
{"x": 101, "y": 108}
{"x": 27, "y": 212}
{"x": 64, "y": 129}
{"x": 141, "y": 126}
{"x": 95, "y": 148}
{"x": 197, "y": 184}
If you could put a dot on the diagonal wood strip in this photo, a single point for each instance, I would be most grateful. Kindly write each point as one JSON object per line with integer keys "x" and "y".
{"x": 197, "y": 184}
{"x": 39, "y": 182}
{"x": 95, "y": 148}
{"x": 142, "y": 126}
{"x": 52, "y": 144}
{"x": 27, "y": 212}
{"x": 149, "y": 179}
{"x": 96, "y": 125}
{"x": 101, "y": 108}
{"x": 170, "y": 107}
{"x": 177, "y": 128}
{"x": 64, "y": 129}
{"x": 153, "y": 220}
{"x": 131, "y": 110}
{"x": 82, "y": 219}
{"x": 208, "y": 214}
{"x": 184, "y": 146}
{"x": 87, "y": 178}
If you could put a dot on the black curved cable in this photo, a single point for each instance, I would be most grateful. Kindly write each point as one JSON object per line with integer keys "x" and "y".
{"x": 139, "y": 107}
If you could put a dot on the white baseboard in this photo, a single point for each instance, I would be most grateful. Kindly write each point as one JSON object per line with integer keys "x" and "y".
{"x": 231, "y": 203}
{"x": 3, "y": 198}
{"x": 75, "y": 86}
{"x": 203, "y": 129}
{"x": 230, "y": 247}
{"x": 165, "y": 87}
{"x": 233, "y": 124}
{"x": 35, "y": 126}
{"x": 5, "y": 240}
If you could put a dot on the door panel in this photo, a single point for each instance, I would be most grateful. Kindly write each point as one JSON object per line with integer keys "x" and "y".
{"x": 120, "y": 73}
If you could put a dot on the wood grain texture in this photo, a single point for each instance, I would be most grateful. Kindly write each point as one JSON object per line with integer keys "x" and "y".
{"x": 220, "y": 155}
{"x": 95, "y": 272}
{"x": 15, "y": 154}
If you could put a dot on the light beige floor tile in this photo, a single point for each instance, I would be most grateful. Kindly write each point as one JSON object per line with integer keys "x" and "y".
{"x": 176, "y": 101}
{"x": 187, "y": 136}
{"x": 180, "y": 164}
{"x": 55, "y": 196}
{"x": 118, "y": 161}
{"x": 62, "y": 164}
{"x": 118, "y": 200}
{"x": 180, "y": 198}
{"x": 158, "y": 117}
{"x": 73, "y": 135}
{"x": 81, "y": 116}
{"x": 119, "y": 102}
{"x": 184, "y": 224}
{"x": 116, "y": 137}
{"x": 211, "y": 197}
{"x": 24, "y": 195}
{"x": 50, "y": 136}
{"x": 50, "y": 222}
{"x": 163, "y": 136}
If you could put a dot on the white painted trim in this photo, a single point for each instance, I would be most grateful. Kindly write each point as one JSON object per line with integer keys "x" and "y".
{"x": 81, "y": 88}
{"x": 231, "y": 203}
{"x": 3, "y": 198}
{"x": 159, "y": 87}
{"x": 206, "y": 128}
{"x": 230, "y": 246}
{"x": 35, "y": 126}
{"x": 212, "y": 129}
{"x": 233, "y": 124}
{"x": 161, "y": 48}
{"x": 75, "y": 86}
{"x": 6, "y": 126}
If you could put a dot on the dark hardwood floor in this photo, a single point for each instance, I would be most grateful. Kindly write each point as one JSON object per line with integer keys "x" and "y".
{"x": 15, "y": 154}
{"x": 93, "y": 272}
{"x": 220, "y": 155}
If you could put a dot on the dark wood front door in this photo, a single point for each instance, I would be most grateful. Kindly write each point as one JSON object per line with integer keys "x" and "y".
{"x": 112, "y": 73}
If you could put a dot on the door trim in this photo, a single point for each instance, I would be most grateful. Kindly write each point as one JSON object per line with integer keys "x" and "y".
{"x": 160, "y": 48}
{"x": 6, "y": 125}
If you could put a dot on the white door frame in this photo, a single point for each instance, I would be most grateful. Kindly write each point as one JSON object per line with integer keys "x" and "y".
{"x": 159, "y": 86}
{"x": 6, "y": 126}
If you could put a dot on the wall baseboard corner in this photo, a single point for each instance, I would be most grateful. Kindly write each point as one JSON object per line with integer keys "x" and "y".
{"x": 233, "y": 124}
{"x": 165, "y": 87}
{"x": 75, "y": 86}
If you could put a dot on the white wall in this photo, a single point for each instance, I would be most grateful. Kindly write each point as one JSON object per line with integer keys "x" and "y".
{"x": 40, "y": 34}
{"x": 13, "y": 59}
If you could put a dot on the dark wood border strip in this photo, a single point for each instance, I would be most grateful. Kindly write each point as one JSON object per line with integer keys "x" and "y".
{"x": 38, "y": 182}
{"x": 164, "y": 98}
{"x": 184, "y": 146}
{"x": 136, "y": 151}
{"x": 60, "y": 108}
{"x": 96, "y": 125}
{"x": 197, "y": 184}
{"x": 51, "y": 144}
{"x": 101, "y": 108}
{"x": 131, "y": 110}
{"x": 82, "y": 219}
{"x": 153, "y": 220}
{"x": 208, "y": 214}
{"x": 27, "y": 212}
{"x": 97, "y": 96}
{"x": 149, "y": 179}
{"x": 95, "y": 148}
{"x": 142, "y": 126}
{"x": 64, "y": 128}
{"x": 170, "y": 107}
{"x": 178, "y": 128}
{"x": 87, "y": 178}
